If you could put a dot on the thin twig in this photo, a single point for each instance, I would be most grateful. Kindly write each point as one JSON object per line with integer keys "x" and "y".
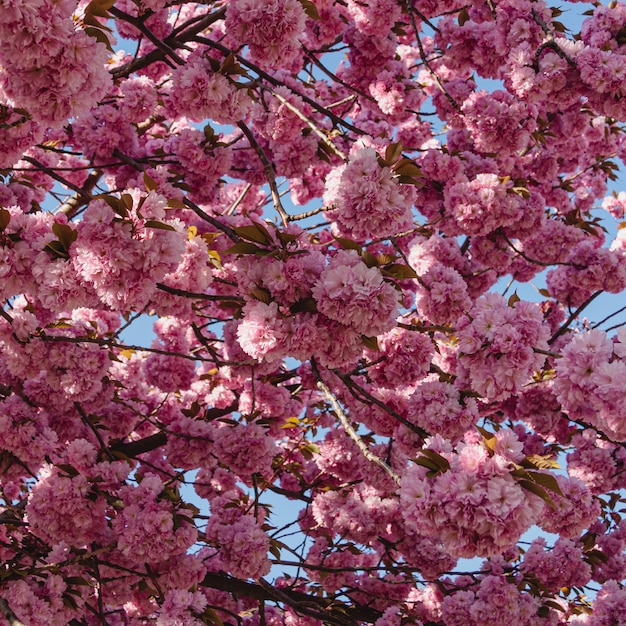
{"x": 451, "y": 100}
{"x": 238, "y": 200}
{"x": 270, "y": 174}
{"x": 277, "y": 83}
{"x": 211, "y": 220}
{"x": 351, "y": 385}
{"x": 139, "y": 24}
{"x": 177, "y": 39}
{"x": 608, "y": 317}
{"x": 341, "y": 416}
{"x": 573, "y": 316}
{"x": 50, "y": 172}
{"x": 5, "y": 610}
{"x": 198, "y": 296}
{"x": 72, "y": 206}
{"x": 302, "y": 216}
{"x": 311, "y": 124}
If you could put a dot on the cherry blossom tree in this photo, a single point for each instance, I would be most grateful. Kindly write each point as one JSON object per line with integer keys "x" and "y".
{"x": 326, "y": 209}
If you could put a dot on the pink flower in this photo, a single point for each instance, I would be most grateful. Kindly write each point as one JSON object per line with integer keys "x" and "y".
{"x": 365, "y": 200}
{"x": 356, "y": 295}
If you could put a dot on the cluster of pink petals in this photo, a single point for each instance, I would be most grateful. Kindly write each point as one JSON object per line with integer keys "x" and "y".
{"x": 355, "y": 295}
{"x": 498, "y": 345}
{"x": 476, "y": 507}
{"x": 365, "y": 199}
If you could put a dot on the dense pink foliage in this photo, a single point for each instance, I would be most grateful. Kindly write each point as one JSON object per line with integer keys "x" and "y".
{"x": 333, "y": 223}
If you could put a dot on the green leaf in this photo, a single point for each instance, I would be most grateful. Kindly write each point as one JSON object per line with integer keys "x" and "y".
{"x": 441, "y": 461}
{"x": 68, "y": 601}
{"x": 291, "y": 422}
{"x": 554, "y": 605}
{"x": 244, "y": 247}
{"x": 513, "y": 299}
{"x": 399, "y": 271}
{"x": 309, "y": 450}
{"x": 310, "y": 9}
{"x": 533, "y": 487}
{"x": 231, "y": 67}
{"x": 5, "y": 216}
{"x": 369, "y": 259}
{"x": 348, "y": 244}
{"x": 370, "y": 342}
{"x": 99, "y": 7}
{"x": 537, "y": 461}
{"x": 159, "y": 225}
{"x": 212, "y": 616}
{"x": 386, "y": 259}
{"x": 149, "y": 182}
{"x": 406, "y": 167}
{"x": 521, "y": 191}
{"x": 116, "y": 205}
{"x": 56, "y": 249}
{"x": 77, "y": 580}
{"x": 254, "y": 232}
{"x": 65, "y": 234}
{"x": 546, "y": 480}
{"x": 263, "y": 295}
{"x": 127, "y": 201}
{"x": 409, "y": 180}
{"x": 175, "y": 203}
{"x": 393, "y": 152}
{"x": 489, "y": 439}
{"x": 286, "y": 238}
{"x": 432, "y": 461}
{"x": 99, "y": 35}
{"x": 70, "y": 470}
{"x": 304, "y": 305}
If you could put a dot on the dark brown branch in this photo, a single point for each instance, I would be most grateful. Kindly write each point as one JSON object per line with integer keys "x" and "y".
{"x": 134, "y": 448}
{"x": 573, "y": 316}
{"x": 211, "y": 220}
{"x": 198, "y": 296}
{"x": 270, "y": 174}
{"x": 328, "y": 610}
{"x": 369, "y": 398}
{"x": 139, "y": 24}
{"x": 72, "y": 206}
{"x": 277, "y": 83}
{"x": 53, "y": 174}
{"x": 5, "y": 610}
{"x": 184, "y": 33}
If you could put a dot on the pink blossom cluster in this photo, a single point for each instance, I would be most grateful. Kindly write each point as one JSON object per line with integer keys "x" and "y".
{"x": 121, "y": 258}
{"x": 150, "y": 527}
{"x": 18, "y": 132}
{"x": 481, "y": 205}
{"x": 271, "y": 29}
{"x": 476, "y": 507}
{"x": 588, "y": 382}
{"x": 355, "y": 295}
{"x": 313, "y": 206}
{"x": 50, "y": 66}
{"x": 198, "y": 92}
{"x": 493, "y": 118}
{"x": 588, "y": 268}
{"x": 365, "y": 200}
{"x": 493, "y": 602}
{"x": 563, "y": 565}
{"x": 438, "y": 407}
{"x": 350, "y": 298}
{"x": 498, "y": 345}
